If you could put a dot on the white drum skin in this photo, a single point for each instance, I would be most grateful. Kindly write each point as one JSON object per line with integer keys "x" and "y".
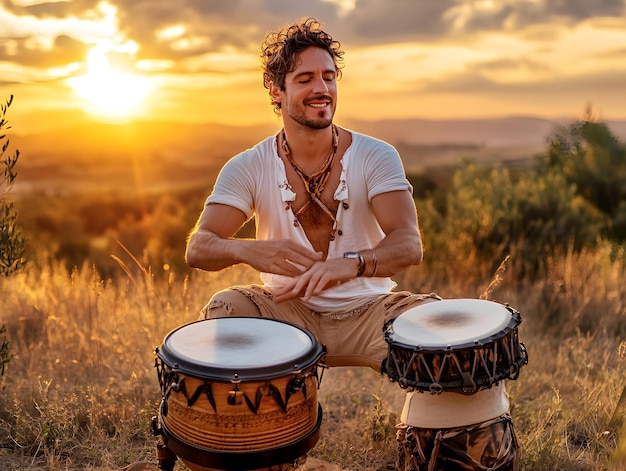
{"x": 235, "y": 344}
{"x": 450, "y": 323}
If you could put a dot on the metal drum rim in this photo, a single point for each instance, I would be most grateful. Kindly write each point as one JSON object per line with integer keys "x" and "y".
{"x": 228, "y": 373}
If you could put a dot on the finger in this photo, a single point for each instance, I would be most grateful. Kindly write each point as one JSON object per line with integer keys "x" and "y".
{"x": 282, "y": 266}
{"x": 316, "y": 284}
{"x": 285, "y": 292}
{"x": 286, "y": 296}
{"x": 304, "y": 257}
{"x": 288, "y": 268}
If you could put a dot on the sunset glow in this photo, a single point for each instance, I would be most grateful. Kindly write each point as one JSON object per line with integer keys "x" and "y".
{"x": 112, "y": 93}
{"x": 453, "y": 59}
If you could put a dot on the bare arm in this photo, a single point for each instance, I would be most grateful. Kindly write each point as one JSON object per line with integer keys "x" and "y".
{"x": 400, "y": 249}
{"x": 402, "y": 246}
{"x": 212, "y": 246}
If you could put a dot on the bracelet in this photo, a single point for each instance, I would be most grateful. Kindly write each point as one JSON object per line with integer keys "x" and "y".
{"x": 374, "y": 265}
{"x": 358, "y": 256}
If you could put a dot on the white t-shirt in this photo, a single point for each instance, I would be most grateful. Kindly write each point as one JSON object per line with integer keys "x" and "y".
{"x": 255, "y": 182}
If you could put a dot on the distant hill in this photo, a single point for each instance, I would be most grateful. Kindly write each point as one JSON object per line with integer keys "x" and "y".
{"x": 503, "y": 132}
{"x": 528, "y": 132}
{"x": 91, "y": 153}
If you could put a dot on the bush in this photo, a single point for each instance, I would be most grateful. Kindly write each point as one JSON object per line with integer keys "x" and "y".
{"x": 11, "y": 240}
{"x": 490, "y": 214}
{"x": 593, "y": 160}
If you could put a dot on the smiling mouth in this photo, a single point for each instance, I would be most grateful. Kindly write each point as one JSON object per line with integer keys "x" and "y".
{"x": 318, "y": 105}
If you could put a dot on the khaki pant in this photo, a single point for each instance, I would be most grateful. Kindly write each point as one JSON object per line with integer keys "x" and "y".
{"x": 352, "y": 338}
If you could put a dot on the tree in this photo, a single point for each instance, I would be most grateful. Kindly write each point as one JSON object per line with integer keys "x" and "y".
{"x": 590, "y": 157}
{"x": 11, "y": 240}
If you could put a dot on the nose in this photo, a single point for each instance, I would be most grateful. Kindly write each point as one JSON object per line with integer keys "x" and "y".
{"x": 320, "y": 85}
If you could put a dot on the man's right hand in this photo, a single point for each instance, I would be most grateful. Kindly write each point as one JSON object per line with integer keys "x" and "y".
{"x": 212, "y": 246}
{"x": 280, "y": 257}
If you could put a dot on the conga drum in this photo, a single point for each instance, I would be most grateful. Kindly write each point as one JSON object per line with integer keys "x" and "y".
{"x": 460, "y": 345}
{"x": 239, "y": 393}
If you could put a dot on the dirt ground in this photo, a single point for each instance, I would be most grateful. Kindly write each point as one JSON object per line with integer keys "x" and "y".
{"x": 312, "y": 464}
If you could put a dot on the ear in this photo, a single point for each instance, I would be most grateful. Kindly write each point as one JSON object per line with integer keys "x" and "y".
{"x": 275, "y": 93}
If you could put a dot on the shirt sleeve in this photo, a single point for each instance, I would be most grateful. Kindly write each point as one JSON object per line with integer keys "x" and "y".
{"x": 235, "y": 184}
{"x": 384, "y": 170}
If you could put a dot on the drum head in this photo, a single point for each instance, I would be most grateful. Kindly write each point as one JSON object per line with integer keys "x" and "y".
{"x": 451, "y": 323}
{"x": 249, "y": 347}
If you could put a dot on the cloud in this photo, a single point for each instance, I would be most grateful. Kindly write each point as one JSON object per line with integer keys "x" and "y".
{"x": 64, "y": 50}
{"x": 584, "y": 9}
{"x": 215, "y": 26}
{"x": 374, "y": 21}
{"x": 208, "y": 26}
{"x": 43, "y": 10}
{"x": 618, "y": 54}
{"x": 475, "y": 81}
{"x": 515, "y": 15}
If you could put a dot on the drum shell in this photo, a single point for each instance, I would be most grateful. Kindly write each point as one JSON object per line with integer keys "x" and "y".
{"x": 234, "y": 427}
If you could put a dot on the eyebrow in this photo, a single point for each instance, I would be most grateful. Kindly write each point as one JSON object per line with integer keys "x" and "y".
{"x": 305, "y": 73}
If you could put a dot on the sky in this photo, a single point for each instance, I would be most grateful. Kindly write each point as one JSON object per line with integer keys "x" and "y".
{"x": 198, "y": 60}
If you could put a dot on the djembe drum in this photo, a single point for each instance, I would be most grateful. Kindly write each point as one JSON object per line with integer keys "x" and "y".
{"x": 239, "y": 393}
{"x": 460, "y": 345}
{"x": 454, "y": 353}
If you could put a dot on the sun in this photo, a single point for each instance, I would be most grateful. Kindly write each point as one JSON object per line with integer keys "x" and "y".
{"x": 111, "y": 93}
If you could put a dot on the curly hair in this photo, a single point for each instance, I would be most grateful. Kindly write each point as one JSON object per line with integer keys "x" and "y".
{"x": 280, "y": 48}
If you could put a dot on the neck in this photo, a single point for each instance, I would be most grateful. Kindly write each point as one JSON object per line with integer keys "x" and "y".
{"x": 311, "y": 170}
{"x": 307, "y": 145}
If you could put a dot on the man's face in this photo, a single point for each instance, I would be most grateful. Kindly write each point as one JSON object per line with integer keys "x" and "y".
{"x": 310, "y": 94}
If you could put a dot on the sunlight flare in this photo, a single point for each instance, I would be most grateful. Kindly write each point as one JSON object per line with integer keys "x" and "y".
{"x": 112, "y": 92}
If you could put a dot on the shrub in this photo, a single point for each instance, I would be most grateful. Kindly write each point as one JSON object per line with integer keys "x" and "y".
{"x": 11, "y": 240}
{"x": 593, "y": 160}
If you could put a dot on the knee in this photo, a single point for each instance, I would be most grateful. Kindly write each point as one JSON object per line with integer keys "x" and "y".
{"x": 228, "y": 303}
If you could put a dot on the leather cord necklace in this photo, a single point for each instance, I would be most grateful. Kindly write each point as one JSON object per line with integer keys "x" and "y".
{"x": 315, "y": 183}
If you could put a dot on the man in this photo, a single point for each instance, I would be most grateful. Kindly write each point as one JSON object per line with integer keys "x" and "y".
{"x": 334, "y": 213}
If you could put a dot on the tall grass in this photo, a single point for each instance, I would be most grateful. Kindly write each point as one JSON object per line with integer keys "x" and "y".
{"x": 82, "y": 388}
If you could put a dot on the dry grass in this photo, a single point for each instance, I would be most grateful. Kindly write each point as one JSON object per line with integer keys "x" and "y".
{"x": 82, "y": 388}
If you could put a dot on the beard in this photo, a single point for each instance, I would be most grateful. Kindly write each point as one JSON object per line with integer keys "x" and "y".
{"x": 299, "y": 115}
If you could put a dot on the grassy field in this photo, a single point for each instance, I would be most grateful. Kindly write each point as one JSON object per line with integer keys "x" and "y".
{"x": 82, "y": 388}
{"x": 106, "y": 281}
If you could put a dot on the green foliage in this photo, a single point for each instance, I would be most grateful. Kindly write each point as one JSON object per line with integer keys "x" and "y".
{"x": 492, "y": 213}
{"x": 5, "y": 355}
{"x": 11, "y": 240}
{"x": 591, "y": 158}
{"x": 572, "y": 199}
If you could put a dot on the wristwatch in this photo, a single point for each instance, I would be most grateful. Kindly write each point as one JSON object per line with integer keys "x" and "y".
{"x": 359, "y": 257}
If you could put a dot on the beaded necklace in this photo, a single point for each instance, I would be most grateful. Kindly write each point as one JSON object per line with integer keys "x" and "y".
{"x": 315, "y": 183}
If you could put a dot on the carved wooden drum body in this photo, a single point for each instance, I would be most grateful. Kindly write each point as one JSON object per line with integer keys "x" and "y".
{"x": 239, "y": 392}
{"x": 461, "y": 345}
